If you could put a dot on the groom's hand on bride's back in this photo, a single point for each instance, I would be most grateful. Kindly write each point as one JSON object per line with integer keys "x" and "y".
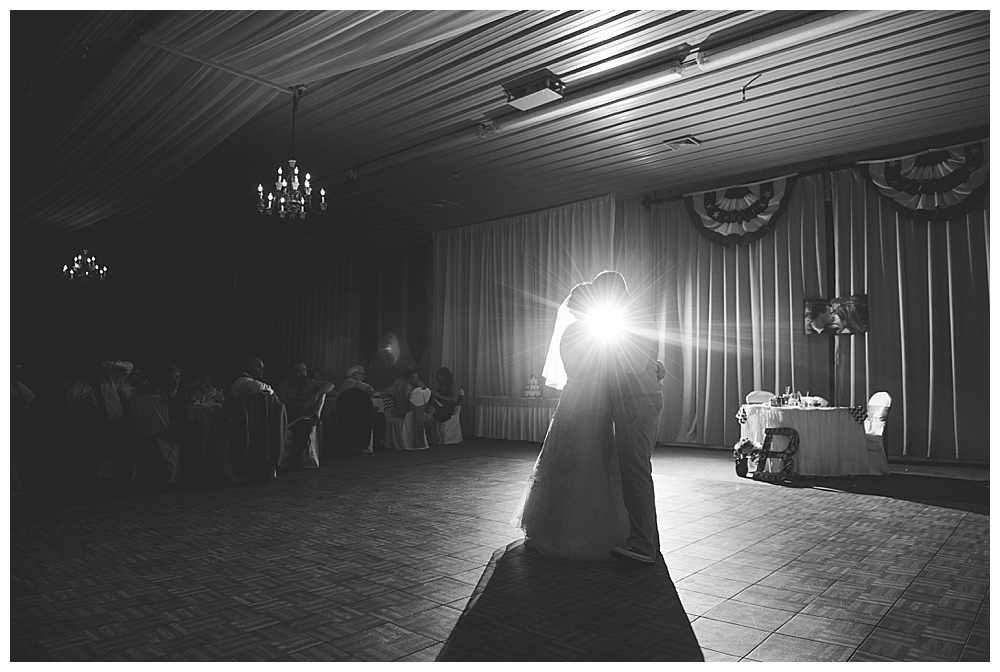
{"x": 661, "y": 371}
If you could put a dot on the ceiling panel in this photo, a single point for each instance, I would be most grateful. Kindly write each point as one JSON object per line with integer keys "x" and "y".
{"x": 412, "y": 126}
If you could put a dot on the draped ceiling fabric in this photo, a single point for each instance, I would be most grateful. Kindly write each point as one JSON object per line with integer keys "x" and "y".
{"x": 156, "y": 113}
{"x": 498, "y": 286}
{"x": 740, "y": 214}
{"x": 729, "y": 316}
{"x": 929, "y": 301}
{"x": 939, "y": 185}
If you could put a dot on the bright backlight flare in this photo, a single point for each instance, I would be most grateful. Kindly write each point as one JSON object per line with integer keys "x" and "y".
{"x": 607, "y": 322}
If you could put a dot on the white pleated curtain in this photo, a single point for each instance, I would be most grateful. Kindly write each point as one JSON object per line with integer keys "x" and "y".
{"x": 730, "y": 317}
{"x": 929, "y": 301}
{"x": 498, "y": 286}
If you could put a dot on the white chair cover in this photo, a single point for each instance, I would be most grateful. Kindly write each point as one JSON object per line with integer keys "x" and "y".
{"x": 414, "y": 436}
{"x": 309, "y": 442}
{"x": 394, "y": 433}
{"x": 450, "y": 431}
{"x": 878, "y": 412}
{"x": 760, "y": 397}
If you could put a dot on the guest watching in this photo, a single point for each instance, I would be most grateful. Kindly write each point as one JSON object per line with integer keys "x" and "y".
{"x": 251, "y": 380}
{"x": 299, "y": 393}
{"x": 356, "y": 379}
{"x": 445, "y": 397}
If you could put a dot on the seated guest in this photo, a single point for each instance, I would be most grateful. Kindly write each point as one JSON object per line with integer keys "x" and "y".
{"x": 159, "y": 453}
{"x": 304, "y": 399}
{"x": 299, "y": 393}
{"x": 445, "y": 397}
{"x": 114, "y": 413}
{"x": 251, "y": 380}
{"x": 399, "y": 392}
{"x": 401, "y": 389}
{"x": 356, "y": 380}
{"x": 21, "y": 395}
{"x": 413, "y": 380}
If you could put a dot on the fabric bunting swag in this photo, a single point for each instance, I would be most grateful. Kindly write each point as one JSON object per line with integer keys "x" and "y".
{"x": 740, "y": 214}
{"x": 937, "y": 185}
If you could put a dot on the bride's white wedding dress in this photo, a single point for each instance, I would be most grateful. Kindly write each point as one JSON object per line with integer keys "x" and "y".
{"x": 572, "y": 507}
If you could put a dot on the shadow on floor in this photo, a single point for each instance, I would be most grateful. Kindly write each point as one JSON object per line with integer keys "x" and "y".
{"x": 530, "y": 607}
{"x": 950, "y": 493}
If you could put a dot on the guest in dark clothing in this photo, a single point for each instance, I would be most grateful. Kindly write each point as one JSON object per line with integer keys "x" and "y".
{"x": 445, "y": 397}
{"x": 300, "y": 393}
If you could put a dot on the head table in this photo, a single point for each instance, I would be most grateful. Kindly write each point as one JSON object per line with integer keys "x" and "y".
{"x": 832, "y": 440}
{"x": 514, "y": 418}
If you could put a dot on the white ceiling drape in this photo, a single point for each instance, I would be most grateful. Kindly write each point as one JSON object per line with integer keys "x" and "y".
{"x": 156, "y": 113}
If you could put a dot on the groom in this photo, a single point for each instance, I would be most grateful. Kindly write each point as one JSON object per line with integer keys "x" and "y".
{"x": 637, "y": 401}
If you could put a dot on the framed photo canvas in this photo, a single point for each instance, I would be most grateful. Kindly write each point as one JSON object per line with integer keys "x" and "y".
{"x": 841, "y": 316}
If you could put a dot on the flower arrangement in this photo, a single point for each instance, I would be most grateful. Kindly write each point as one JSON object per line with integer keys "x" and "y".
{"x": 203, "y": 393}
{"x": 747, "y": 454}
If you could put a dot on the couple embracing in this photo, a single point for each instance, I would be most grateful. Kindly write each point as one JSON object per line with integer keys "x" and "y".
{"x": 590, "y": 495}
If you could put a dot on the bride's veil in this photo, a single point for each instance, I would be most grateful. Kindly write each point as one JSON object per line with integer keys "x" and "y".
{"x": 554, "y": 372}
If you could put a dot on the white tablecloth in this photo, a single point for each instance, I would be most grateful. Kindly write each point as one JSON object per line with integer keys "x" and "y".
{"x": 514, "y": 418}
{"x": 831, "y": 441}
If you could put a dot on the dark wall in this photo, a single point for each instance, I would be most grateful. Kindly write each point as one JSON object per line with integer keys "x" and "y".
{"x": 175, "y": 294}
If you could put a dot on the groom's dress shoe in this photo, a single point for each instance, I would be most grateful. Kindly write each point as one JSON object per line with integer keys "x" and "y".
{"x": 627, "y": 553}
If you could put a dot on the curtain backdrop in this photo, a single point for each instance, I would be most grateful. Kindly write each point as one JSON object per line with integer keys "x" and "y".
{"x": 498, "y": 286}
{"x": 308, "y": 311}
{"x": 929, "y": 301}
{"x": 730, "y": 317}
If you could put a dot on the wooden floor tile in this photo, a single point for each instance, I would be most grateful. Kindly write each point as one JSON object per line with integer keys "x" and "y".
{"x": 375, "y": 559}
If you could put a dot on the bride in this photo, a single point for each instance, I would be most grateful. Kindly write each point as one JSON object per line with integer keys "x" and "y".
{"x": 572, "y": 506}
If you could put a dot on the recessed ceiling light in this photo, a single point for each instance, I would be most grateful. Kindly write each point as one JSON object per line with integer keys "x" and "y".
{"x": 678, "y": 143}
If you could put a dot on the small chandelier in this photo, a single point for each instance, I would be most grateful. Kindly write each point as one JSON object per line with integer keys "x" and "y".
{"x": 292, "y": 201}
{"x": 84, "y": 269}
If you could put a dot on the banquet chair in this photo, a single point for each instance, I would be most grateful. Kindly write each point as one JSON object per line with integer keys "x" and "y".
{"x": 449, "y": 432}
{"x": 760, "y": 397}
{"x": 354, "y": 421}
{"x": 878, "y": 412}
{"x": 394, "y": 433}
{"x": 303, "y": 438}
{"x": 414, "y": 434}
{"x": 257, "y": 425}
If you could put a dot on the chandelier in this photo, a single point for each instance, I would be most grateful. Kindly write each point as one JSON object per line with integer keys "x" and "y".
{"x": 84, "y": 269}
{"x": 291, "y": 197}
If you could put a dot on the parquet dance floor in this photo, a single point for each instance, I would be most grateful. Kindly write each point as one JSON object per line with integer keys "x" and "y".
{"x": 410, "y": 556}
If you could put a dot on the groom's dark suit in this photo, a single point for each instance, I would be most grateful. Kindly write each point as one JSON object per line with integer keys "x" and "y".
{"x": 637, "y": 401}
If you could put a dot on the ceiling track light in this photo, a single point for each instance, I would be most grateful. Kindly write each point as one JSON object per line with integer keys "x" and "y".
{"x": 533, "y": 90}
{"x": 707, "y": 59}
{"x": 783, "y": 38}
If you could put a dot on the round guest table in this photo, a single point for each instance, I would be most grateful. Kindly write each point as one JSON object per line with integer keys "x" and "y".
{"x": 514, "y": 418}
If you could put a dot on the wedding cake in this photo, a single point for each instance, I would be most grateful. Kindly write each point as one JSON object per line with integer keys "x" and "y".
{"x": 533, "y": 390}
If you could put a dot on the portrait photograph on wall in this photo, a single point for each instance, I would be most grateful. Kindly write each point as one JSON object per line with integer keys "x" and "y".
{"x": 841, "y": 316}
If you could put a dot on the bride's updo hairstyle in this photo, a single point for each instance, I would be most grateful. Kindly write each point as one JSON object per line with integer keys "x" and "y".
{"x": 581, "y": 299}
